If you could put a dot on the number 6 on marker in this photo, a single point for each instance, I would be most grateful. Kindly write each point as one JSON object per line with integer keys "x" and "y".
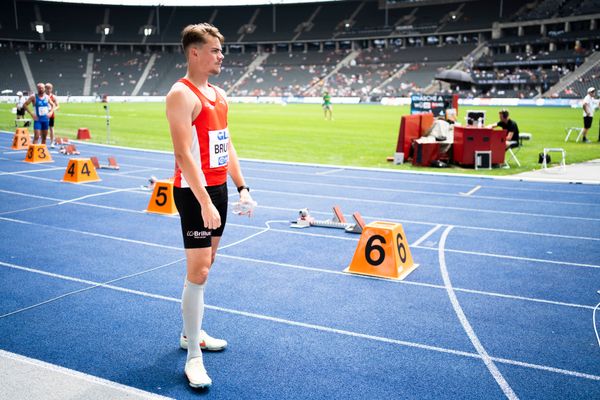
{"x": 382, "y": 251}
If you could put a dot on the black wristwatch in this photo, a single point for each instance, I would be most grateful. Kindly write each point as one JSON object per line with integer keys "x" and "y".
{"x": 240, "y": 188}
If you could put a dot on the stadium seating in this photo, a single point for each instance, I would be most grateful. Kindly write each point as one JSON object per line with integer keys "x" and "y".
{"x": 12, "y": 76}
{"x": 65, "y": 69}
{"x": 116, "y": 73}
{"x": 579, "y": 88}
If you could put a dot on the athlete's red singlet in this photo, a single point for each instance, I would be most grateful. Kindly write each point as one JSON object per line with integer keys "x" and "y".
{"x": 210, "y": 141}
{"x": 51, "y": 115}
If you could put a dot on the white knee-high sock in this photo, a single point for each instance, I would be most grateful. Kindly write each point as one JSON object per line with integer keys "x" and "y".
{"x": 192, "y": 307}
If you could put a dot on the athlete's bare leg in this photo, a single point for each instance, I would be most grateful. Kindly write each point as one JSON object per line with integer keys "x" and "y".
{"x": 44, "y": 134}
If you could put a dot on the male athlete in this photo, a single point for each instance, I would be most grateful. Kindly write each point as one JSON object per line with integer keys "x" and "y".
{"x": 327, "y": 106}
{"x": 204, "y": 155}
{"x": 42, "y": 105}
{"x": 50, "y": 93}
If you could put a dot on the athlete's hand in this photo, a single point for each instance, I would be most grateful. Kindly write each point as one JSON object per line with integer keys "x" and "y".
{"x": 246, "y": 204}
{"x": 210, "y": 216}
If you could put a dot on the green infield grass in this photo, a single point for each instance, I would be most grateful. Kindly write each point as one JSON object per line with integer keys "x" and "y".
{"x": 359, "y": 135}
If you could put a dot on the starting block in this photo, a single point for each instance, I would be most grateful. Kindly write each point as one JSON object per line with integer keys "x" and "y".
{"x": 80, "y": 170}
{"x": 161, "y": 201}
{"x": 38, "y": 153}
{"x": 21, "y": 139}
{"x": 112, "y": 163}
{"x": 383, "y": 252}
{"x": 69, "y": 150}
{"x": 337, "y": 221}
{"x": 62, "y": 141}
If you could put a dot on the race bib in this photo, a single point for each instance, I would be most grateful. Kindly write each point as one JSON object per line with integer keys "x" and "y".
{"x": 219, "y": 147}
{"x": 43, "y": 111}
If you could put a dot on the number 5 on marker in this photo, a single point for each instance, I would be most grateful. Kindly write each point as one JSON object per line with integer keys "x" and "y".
{"x": 162, "y": 201}
{"x": 382, "y": 251}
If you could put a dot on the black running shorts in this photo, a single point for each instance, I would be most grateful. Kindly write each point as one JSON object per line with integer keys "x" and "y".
{"x": 587, "y": 122}
{"x": 195, "y": 235}
{"x": 51, "y": 122}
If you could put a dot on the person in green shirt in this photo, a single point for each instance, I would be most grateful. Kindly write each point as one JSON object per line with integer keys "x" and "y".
{"x": 327, "y": 106}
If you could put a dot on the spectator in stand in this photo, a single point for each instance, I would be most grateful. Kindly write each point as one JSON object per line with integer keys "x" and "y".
{"x": 589, "y": 105}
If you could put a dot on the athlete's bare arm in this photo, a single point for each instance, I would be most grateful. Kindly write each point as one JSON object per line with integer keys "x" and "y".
{"x": 55, "y": 105}
{"x": 30, "y": 100}
{"x": 181, "y": 110}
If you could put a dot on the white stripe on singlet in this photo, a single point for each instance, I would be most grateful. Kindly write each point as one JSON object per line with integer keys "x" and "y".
{"x": 195, "y": 148}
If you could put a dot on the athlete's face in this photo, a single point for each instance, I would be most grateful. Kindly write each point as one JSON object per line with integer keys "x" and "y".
{"x": 209, "y": 56}
{"x": 41, "y": 88}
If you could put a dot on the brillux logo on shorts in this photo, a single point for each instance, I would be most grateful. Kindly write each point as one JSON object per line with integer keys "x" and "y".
{"x": 198, "y": 234}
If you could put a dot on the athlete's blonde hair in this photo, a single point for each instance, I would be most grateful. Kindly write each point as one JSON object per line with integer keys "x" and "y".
{"x": 198, "y": 34}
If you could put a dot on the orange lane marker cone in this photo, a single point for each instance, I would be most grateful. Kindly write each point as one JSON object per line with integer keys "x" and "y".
{"x": 83, "y": 134}
{"x": 383, "y": 252}
{"x": 38, "y": 153}
{"x": 21, "y": 140}
{"x": 80, "y": 170}
{"x": 162, "y": 201}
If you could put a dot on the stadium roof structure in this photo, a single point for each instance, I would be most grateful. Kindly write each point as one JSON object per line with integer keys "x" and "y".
{"x": 187, "y": 2}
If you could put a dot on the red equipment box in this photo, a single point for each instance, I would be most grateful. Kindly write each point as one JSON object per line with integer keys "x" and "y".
{"x": 467, "y": 140}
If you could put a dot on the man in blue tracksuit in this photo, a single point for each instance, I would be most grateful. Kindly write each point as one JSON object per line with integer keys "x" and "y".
{"x": 42, "y": 105}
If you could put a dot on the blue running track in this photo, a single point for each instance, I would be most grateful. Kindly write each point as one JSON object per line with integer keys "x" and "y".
{"x": 501, "y": 305}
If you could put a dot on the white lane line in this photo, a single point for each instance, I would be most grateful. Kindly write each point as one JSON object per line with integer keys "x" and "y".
{"x": 27, "y": 209}
{"x": 594, "y": 322}
{"x": 508, "y": 392}
{"x": 408, "y": 221}
{"x": 331, "y": 171}
{"x": 84, "y": 115}
{"x": 268, "y": 224}
{"x": 537, "y": 260}
{"x": 31, "y": 170}
{"x": 11, "y": 192}
{"x": 476, "y": 188}
{"x": 405, "y": 282}
{"x": 528, "y": 201}
{"x": 418, "y": 180}
{"x": 426, "y": 235}
{"x": 419, "y": 192}
{"x": 313, "y": 326}
{"x": 93, "y": 286}
{"x": 95, "y": 185}
{"x": 377, "y": 218}
{"x": 433, "y": 206}
{"x": 295, "y": 232}
{"x": 97, "y": 194}
{"x": 474, "y": 210}
{"x": 126, "y": 390}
